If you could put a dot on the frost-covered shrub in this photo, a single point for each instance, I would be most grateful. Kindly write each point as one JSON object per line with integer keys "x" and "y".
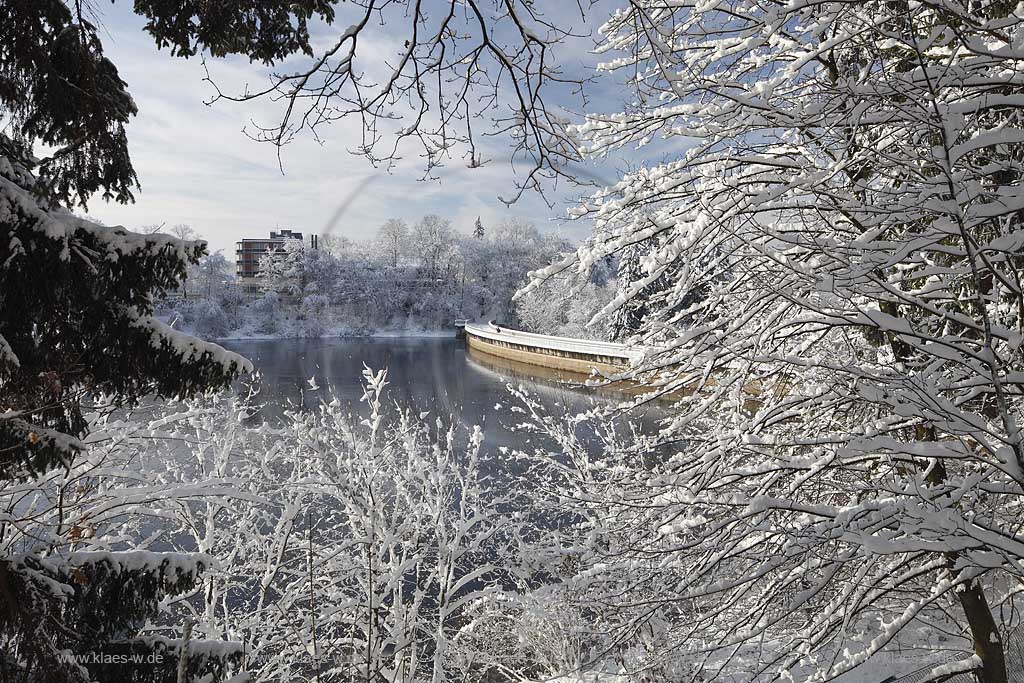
{"x": 234, "y": 302}
{"x": 210, "y": 320}
{"x": 362, "y": 512}
{"x": 267, "y": 314}
{"x": 537, "y": 634}
{"x": 313, "y": 316}
{"x": 315, "y": 305}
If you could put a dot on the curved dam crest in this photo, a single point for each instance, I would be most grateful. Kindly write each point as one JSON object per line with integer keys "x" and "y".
{"x": 579, "y": 357}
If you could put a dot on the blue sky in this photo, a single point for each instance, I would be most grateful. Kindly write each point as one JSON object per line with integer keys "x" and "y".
{"x": 197, "y": 167}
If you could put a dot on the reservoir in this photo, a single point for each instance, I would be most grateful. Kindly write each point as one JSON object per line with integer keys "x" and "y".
{"x": 438, "y": 375}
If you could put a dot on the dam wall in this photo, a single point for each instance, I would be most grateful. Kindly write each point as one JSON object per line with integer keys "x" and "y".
{"x": 559, "y": 353}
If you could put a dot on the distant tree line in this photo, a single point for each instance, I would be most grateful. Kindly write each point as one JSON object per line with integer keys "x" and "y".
{"x": 422, "y": 276}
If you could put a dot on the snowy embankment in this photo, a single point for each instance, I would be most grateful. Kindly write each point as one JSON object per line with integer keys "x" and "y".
{"x": 345, "y": 334}
{"x": 297, "y": 328}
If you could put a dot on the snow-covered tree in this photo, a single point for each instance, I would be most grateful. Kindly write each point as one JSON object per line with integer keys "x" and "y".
{"x": 209, "y": 277}
{"x": 413, "y": 530}
{"x": 431, "y": 241}
{"x": 501, "y": 262}
{"x": 183, "y": 231}
{"x": 563, "y": 308}
{"x": 655, "y": 297}
{"x": 76, "y": 320}
{"x": 394, "y": 238}
{"x": 283, "y": 270}
{"x": 849, "y": 387}
{"x": 478, "y": 229}
{"x": 77, "y": 324}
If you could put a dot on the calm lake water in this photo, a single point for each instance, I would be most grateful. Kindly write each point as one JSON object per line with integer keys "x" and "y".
{"x": 426, "y": 374}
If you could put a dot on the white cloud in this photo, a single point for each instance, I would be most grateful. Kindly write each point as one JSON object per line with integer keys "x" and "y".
{"x": 197, "y": 167}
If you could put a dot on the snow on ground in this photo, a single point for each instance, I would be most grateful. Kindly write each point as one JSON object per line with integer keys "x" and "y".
{"x": 303, "y": 329}
{"x": 345, "y": 334}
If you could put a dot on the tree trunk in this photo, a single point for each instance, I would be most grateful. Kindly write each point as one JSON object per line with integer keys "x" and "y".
{"x": 988, "y": 644}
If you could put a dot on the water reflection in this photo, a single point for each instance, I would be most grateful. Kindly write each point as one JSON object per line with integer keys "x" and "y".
{"x": 437, "y": 375}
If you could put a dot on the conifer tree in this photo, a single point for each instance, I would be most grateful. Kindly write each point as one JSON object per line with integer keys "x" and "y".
{"x": 647, "y": 293}
{"x": 478, "y": 229}
{"x": 76, "y": 323}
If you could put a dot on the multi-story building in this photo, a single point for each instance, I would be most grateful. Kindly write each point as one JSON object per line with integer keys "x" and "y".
{"x": 249, "y": 251}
